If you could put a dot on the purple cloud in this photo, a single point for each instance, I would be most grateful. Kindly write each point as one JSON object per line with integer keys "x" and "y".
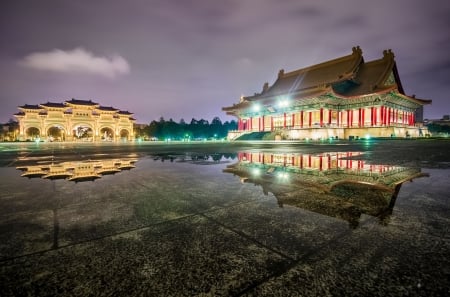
{"x": 77, "y": 60}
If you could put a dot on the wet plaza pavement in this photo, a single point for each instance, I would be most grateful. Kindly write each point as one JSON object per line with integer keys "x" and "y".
{"x": 221, "y": 219}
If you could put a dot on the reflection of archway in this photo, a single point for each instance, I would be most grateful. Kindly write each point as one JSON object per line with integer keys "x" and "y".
{"x": 56, "y": 133}
{"x": 82, "y": 132}
{"x": 32, "y": 133}
{"x": 124, "y": 134}
{"x": 107, "y": 134}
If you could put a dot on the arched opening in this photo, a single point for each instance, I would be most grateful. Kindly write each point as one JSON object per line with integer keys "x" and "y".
{"x": 107, "y": 134}
{"x": 55, "y": 133}
{"x": 124, "y": 134}
{"x": 82, "y": 132}
{"x": 32, "y": 133}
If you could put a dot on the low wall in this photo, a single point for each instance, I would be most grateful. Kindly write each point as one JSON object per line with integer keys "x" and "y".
{"x": 342, "y": 133}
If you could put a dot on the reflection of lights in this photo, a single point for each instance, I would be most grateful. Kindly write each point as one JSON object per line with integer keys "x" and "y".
{"x": 367, "y": 136}
{"x": 316, "y": 136}
{"x": 282, "y": 175}
{"x": 295, "y": 134}
{"x": 256, "y": 171}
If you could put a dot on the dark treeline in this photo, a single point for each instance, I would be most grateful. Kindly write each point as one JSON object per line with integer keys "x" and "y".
{"x": 438, "y": 128}
{"x": 196, "y": 129}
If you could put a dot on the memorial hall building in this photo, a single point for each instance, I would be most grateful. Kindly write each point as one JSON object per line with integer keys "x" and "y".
{"x": 341, "y": 98}
{"x": 74, "y": 120}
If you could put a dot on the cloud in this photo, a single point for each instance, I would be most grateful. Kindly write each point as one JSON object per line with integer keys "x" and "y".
{"x": 77, "y": 60}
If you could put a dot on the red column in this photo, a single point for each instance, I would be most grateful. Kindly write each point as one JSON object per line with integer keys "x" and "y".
{"x": 389, "y": 116}
{"x": 386, "y": 115}
{"x": 338, "y": 118}
{"x": 321, "y": 117}
{"x": 375, "y": 110}
{"x": 284, "y": 120}
{"x": 259, "y": 124}
{"x": 359, "y": 117}
{"x": 371, "y": 116}
{"x": 382, "y": 115}
{"x": 310, "y": 119}
{"x": 363, "y": 117}
{"x": 329, "y": 117}
{"x": 348, "y": 118}
{"x": 301, "y": 119}
{"x": 293, "y": 120}
{"x": 262, "y": 120}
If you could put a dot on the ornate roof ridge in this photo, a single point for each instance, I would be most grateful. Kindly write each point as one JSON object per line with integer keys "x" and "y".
{"x": 356, "y": 55}
{"x": 80, "y": 102}
{"x": 53, "y": 104}
{"x": 109, "y": 108}
{"x": 30, "y": 106}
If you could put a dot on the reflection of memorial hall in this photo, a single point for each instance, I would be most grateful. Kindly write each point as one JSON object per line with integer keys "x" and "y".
{"x": 345, "y": 97}
{"x": 76, "y": 171}
{"x": 74, "y": 120}
{"x": 332, "y": 184}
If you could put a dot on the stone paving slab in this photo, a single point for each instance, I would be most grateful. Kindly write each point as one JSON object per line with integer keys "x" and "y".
{"x": 185, "y": 257}
{"x": 370, "y": 261}
{"x": 290, "y": 231}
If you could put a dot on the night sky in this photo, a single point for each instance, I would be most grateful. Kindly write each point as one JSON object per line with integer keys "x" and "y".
{"x": 189, "y": 58}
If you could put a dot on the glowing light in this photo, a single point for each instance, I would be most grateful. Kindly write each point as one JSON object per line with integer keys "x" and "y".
{"x": 282, "y": 175}
{"x": 256, "y": 107}
{"x": 367, "y": 136}
{"x": 256, "y": 171}
{"x": 283, "y": 103}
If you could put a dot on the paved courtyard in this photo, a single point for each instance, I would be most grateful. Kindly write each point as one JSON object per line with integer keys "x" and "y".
{"x": 173, "y": 227}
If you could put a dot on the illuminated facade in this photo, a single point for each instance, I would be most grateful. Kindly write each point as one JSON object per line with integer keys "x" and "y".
{"x": 74, "y": 120}
{"x": 345, "y": 97}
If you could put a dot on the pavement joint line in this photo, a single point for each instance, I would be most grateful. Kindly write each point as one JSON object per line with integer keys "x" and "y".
{"x": 95, "y": 239}
{"x": 248, "y": 237}
{"x": 115, "y": 234}
{"x": 295, "y": 262}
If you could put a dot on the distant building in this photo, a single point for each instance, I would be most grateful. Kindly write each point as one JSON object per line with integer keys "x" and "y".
{"x": 345, "y": 97}
{"x": 74, "y": 120}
